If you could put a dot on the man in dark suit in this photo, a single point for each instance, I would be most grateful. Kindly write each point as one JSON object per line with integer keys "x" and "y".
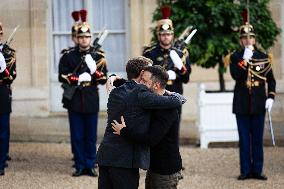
{"x": 7, "y": 76}
{"x": 165, "y": 159}
{"x": 119, "y": 160}
{"x": 251, "y": 69}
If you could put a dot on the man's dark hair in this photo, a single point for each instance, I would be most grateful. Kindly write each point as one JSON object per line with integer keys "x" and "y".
{"x": 135, "y": 65}
{"x": 159, "y": 74}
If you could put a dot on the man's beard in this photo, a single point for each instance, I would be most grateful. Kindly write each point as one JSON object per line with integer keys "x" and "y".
{"x": 165, "y": 43}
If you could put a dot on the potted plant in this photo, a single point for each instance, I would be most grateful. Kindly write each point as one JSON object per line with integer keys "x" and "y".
{"x": 217, "y": 22}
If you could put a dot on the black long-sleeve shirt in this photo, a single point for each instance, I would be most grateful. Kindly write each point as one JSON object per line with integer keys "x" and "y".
{"x": 163, "y": 139}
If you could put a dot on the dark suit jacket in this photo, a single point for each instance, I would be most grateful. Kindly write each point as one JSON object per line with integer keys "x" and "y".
{"x": 133, "y": 101}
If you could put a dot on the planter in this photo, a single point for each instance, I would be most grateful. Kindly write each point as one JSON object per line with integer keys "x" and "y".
{"x": 217, "y": 123}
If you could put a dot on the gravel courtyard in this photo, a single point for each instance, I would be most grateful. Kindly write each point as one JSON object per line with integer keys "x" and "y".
{"x": 48, "y": 166}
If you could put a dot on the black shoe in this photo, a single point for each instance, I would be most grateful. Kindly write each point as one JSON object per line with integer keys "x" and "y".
{"x": 78, "y": 172}
{"x": 2, "y": 172}
{"x": 259, "y": 176}
{"x": 9, "y": 158}
{"x": 92, "y": 172}
{"x": 244, "y": 177}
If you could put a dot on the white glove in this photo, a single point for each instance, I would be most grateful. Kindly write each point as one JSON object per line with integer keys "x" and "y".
{"x": 176, "y": 59}
{"x": 2, "y": 63}
{"x": 268, "y": 104}
{"x": 109, "y": 84}
{"x": 172, "y": 75}
{"x": 247, "y": 53}
{"x": 84, "y": 77}
{"x": 91, "y": 63}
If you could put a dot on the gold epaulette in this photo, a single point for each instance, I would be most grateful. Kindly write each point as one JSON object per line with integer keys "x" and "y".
{"x": 227, "y": 59}
{"x": 101, "y": 63}
{"x": 101, "y": 52}
{"x": 66, "y": 50}
{"x": 185, "y": 55}
{"x": 8, "y": 50}
{"x": 270, "y": 57}
{"x": 148, "y": 48}
{"x": 10, "y": 61}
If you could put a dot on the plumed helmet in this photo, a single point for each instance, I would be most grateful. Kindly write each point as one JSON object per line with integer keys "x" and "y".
{"x": 246, "y": 29}
{"x": 84, "y": 27}
{"x": 165, "y": 25}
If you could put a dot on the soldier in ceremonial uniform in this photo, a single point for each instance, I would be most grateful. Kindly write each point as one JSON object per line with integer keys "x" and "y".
{"x": 175, "y": 61}
{"x": 76, "y": 17}
{"x": 164, "y": 53}
{"x": 7, "y": 76}
{"x": 82, "y": 69}
{"x": 252, "y": 70}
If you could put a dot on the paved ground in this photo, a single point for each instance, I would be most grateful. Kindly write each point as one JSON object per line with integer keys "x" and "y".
{"x": 48, "y": 166}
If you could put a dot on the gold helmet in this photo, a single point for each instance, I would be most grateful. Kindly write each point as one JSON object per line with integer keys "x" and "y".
{"x": 165, "y": 25}
{"x": 84, "y": 27}
{"x": 76, "y": 17}
{"x": 246, "y": 29}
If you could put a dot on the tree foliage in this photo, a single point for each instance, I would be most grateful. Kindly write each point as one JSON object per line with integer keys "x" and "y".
{"x": 217, "y": 22}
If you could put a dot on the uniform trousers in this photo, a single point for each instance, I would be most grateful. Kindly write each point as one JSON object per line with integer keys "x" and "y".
{"x": 250, "y": 128}
{"x": 84, "y": 135}
{"x": 4, "y": 138}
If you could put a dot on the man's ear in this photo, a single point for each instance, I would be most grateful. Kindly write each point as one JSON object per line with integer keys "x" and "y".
{"x": 156, "y": 85}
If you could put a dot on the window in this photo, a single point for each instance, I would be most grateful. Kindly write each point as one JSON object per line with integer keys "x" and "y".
{"x": 109, "y": 14}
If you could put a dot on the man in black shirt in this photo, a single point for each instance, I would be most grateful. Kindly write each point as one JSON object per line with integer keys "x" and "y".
{"x": 165, "y": 159}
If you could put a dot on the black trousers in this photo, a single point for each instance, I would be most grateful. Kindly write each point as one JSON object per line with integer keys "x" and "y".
{"x": 250, "y": 128}
{"x": 118, "y": 178}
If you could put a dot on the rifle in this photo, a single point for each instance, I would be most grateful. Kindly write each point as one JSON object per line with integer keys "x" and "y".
{"x": 185, "y": 38}
{"x": 97, "y": 43}
{"x": 8, "y": 50}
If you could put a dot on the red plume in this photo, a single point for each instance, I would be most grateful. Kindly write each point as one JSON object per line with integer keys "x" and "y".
{"x": 76, "y": 15}
{"x": 166, "y": 11}
{"x": 83, "y": 14}
{"x": 245, "y": 15}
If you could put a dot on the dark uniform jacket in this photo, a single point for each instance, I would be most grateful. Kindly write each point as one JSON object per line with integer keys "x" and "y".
{"x": 161, "y": 57}
{"x": 250, "y": 91}
{"x": 86, "y": 97}
{"x": 6, "y": 78}
{"x": 163, "y": 138}
{"x": 133, "y": 101}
